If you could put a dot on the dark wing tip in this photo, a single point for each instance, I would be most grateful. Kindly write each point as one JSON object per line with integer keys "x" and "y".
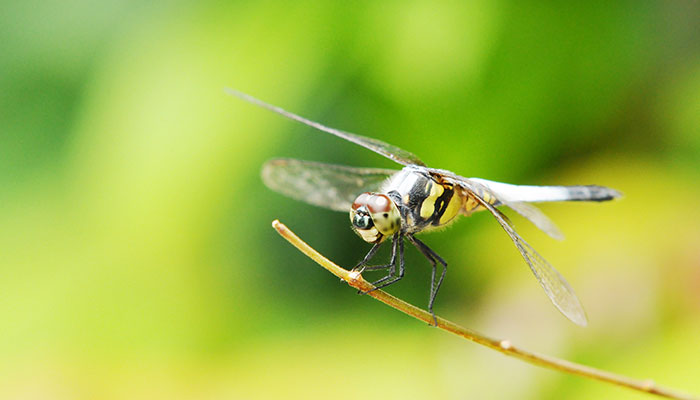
{"x": 603, "y": 193}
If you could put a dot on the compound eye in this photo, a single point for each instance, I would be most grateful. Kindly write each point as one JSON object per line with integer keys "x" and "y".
{"x": 362, "y": 220}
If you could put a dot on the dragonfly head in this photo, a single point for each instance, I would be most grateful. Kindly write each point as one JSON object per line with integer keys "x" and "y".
{"x": 374, "y": 217}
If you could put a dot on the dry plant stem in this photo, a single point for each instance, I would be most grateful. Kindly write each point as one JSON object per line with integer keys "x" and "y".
{"x": 504, "y": 346}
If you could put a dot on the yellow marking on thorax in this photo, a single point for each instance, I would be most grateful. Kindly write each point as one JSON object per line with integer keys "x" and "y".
{"x": 428, "y": 207}
{"x": 453, "y": 207}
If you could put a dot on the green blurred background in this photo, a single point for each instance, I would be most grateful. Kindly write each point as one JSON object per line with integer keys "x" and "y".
{"x": 136, "y": 254}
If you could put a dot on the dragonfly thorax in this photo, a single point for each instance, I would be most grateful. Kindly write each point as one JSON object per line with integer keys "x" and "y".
{"x": 427, "y": 200}
{"x": 374, "y": 217}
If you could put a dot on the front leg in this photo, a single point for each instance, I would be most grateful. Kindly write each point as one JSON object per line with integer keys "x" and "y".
{"x": 390, "y": 276}
{"x": 396, "y": 256}
{"x": 362, "y": 265}
{"x": 391, "y": 265}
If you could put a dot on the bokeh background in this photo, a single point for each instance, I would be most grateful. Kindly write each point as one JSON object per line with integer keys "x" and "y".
{"x": 136, "y": 254}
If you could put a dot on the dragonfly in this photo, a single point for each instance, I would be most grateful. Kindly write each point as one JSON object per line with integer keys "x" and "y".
{"x": 388, "y": 205}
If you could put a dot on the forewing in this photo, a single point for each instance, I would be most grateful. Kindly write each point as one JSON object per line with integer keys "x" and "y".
{"x": 392, "y": 152}
{"x": 324, "y": 185}
{"x": 557, "y": 288}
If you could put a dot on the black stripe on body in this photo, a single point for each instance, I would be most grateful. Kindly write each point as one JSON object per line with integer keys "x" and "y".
{"x": 412, "y": 201}
{"x": 417, "y": 196}
{"x": 473, "y": 205}
{"x": 441, "y": 203}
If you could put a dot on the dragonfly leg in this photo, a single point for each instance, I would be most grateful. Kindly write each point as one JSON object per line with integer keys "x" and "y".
{"x": 390, "y": 278}
{"x": 434, "y": 258}
{"x": 392, "y": 263}
{"x": 362, "y": 265}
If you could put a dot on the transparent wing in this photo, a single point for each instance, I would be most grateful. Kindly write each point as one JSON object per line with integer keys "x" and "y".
{"x": 518, "y": 197}
{"x": 387, "y": 150}
{"x": 485, "y": 190}
{"x": 534, "y": 215}
{"x": 555, "y": 286}
{"x": 324, "y": 185}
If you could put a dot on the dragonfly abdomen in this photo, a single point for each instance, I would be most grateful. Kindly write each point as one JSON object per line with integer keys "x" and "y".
{"x": 471, "y": 204}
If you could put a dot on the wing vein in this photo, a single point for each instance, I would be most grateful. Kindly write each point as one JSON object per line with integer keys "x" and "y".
{"x": 555, "y": 286}
{"x": 389, "y": 151}
{"x": 324, "y": 185}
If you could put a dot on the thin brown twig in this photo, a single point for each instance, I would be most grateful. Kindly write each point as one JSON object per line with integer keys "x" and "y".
{"x": 504, "y": 346}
